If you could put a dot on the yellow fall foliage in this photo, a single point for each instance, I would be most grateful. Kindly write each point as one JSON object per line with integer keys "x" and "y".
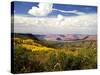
{"x": 29, "y": 44}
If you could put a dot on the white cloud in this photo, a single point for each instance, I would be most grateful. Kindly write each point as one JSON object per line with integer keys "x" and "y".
{"x": 83, "y": 24}
{"x": 43, "y": 9}
{"x": 60, "y": 17}
{"x": 72, "y": 12}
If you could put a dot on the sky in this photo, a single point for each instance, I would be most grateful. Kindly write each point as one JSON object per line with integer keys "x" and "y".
{"x": 49, "y": 18}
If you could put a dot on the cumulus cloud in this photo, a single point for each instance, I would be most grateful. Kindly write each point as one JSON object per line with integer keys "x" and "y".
{"x": 83, "y": 24}
{"x": 43, "y": 9}
{"x": 60, "y": 17}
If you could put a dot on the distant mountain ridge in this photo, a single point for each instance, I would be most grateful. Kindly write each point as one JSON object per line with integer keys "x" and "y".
{"x": 69, "y": 37}
{"x": 57, "y": 37}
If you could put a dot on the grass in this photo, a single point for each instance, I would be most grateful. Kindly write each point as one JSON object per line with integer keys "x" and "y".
{"x": 31, "y": 55}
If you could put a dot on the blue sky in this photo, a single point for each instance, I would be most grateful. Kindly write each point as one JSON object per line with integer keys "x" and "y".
{"x": 22, "y": 8}
{"x": 49, "y": 18}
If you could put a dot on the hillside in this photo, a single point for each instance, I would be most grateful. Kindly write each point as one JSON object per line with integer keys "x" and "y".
{"x": 54, "y": 42}
{"x": 29, "y": 43}
{"x": 37, "y": 55}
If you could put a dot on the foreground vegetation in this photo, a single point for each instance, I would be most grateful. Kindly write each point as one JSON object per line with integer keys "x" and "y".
{"x": 30, "y": 55}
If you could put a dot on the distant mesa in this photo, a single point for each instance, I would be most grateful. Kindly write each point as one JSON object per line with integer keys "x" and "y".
{"x": 58, "y": 37}
{"x": 70, "y": 37}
